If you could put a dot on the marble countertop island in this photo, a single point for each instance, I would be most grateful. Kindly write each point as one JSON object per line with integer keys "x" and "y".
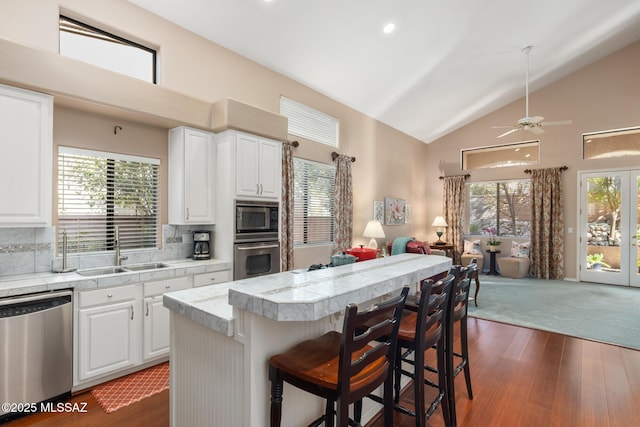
{"x": 222, "y": 335}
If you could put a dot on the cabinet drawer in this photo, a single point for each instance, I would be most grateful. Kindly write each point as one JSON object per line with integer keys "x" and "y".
{"x": 158, "y": 288}
{"x": 107, "y": 296}
{"x": 211, "y": 278}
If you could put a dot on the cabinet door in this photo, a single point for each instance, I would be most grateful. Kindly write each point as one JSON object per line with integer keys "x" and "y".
{"x": 156, "y": 328}
{"x": 107, "y": 338}
{"x": 270, "y": 169}
{"x": 26, "y": 120}
{"x": 247, "y": 165}
{"x": 199, "y": 187}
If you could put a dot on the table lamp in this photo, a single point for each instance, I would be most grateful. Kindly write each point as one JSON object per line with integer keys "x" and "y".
{"x": 373, "y": 230}
{"x": 440, "y": 223}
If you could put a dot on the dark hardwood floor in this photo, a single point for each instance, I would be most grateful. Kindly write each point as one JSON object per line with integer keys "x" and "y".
{"x": 521, "y": 377}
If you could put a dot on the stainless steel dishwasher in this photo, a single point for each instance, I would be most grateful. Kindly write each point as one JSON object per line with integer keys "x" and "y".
{"x": 36, "y": 357}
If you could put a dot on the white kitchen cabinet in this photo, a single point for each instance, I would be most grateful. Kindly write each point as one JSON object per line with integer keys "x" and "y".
{"x": 156, "y": 316}
{"x": 192, "y": 160}
{"x": 26, "y": 120}
{"x": 258, "y": 167}
{"x": 109, "y": 329}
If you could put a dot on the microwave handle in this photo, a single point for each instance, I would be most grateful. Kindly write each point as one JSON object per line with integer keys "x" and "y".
{"x": 240, "y": 248}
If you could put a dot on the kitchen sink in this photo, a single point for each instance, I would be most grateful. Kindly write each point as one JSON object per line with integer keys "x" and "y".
{"x": 101, "y": 271}
{"x": 148, "y": 266}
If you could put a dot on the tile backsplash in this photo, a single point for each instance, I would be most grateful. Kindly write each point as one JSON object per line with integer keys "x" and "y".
{"x": 32, "y": 250}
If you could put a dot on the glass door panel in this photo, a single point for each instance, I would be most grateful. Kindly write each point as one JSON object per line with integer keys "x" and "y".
{"x": 609, "y": 228}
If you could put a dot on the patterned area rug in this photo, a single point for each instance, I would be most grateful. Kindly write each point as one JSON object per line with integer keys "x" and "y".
{"x": 132, "y": 388}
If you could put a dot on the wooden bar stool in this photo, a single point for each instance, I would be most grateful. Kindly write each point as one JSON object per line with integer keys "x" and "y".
{"x": 459, "y": 361}
{"x": 421, "y": 331}
{"x": 343, "y": 367}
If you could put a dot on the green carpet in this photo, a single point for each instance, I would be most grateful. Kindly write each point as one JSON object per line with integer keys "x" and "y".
{"x": 604, "y": 313}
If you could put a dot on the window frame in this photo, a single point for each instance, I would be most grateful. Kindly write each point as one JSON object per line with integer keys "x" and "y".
{"x": 107, "y": 36}
{"x": 304, "y": 242}
{"x": 496, "y": 229}
{"x": 309, "y": 123}
{"x": 82, "y": 239}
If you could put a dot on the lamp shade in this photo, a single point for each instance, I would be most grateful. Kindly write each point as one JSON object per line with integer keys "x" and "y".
{"x": 373, "y": 229}
{"x": 439, "y": 222}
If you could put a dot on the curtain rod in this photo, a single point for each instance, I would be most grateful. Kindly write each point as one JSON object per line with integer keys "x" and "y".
{"x": 466, "y": 176}
{"x": 562, "y": 168}
{"x": 335, "y": 155}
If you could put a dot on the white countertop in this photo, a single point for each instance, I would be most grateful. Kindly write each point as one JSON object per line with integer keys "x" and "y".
{"x": 42, "y": 282}
{"x": 303, "y": 296}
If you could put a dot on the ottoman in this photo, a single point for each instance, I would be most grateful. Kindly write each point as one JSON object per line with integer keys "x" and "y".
{"x": 514, "y": 267}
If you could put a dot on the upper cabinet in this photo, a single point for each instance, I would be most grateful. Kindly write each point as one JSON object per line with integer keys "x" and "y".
{"x": 258, "y": 167}
{"x": 26, "y": 138}
{"x": 192, "y": 160}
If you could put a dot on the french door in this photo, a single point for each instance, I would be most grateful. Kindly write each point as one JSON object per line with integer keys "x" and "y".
{"x": 609, "y": 219}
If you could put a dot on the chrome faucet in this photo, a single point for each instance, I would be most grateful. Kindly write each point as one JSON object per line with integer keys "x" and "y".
{"x": 119, "y": 258}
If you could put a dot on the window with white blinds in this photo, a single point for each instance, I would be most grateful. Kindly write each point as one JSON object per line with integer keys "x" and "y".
{"x": 313, "y": 202}
{"x": 309, "y": 123}
{"x": 98, "y": 191}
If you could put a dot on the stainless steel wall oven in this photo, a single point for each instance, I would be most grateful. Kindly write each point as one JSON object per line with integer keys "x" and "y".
{"x": 256, "y": 259}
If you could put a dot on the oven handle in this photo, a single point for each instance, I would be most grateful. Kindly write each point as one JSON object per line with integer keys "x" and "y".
{"x": 251, "y": 248}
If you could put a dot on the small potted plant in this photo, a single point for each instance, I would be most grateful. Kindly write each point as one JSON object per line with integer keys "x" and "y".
{"x": 493, "y": 243}
{"x": 596, "y": 261}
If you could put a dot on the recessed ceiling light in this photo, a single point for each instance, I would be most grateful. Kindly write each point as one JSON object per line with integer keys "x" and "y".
{"x": 389, "y": 28}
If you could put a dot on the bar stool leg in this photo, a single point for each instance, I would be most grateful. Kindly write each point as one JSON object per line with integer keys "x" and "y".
{"x": 276, "y": 396}
{"x": 465, "y": 355}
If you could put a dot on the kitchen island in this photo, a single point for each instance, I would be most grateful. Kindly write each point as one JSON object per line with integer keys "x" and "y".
{"x": 223, "y": 335}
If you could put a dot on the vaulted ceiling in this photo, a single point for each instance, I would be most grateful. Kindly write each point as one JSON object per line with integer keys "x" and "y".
{"x": 446, "y": 64}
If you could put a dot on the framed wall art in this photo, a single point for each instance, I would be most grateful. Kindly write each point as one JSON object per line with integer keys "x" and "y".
{"x": 407, "y": 213}
{"x": 378, "y": 211}
{"x": 394, "y": 211}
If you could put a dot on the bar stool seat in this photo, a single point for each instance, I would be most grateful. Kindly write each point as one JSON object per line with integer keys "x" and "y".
{"x": 343, "y": 367}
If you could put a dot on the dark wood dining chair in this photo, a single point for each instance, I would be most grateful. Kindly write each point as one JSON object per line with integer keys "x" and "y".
{"x": 422, "y": 329}
{"x": 343, "y": 367}
{"x": 459, "y": 361}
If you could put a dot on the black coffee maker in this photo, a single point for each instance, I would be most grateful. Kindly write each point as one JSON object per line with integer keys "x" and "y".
{"x": 201, "y": 245}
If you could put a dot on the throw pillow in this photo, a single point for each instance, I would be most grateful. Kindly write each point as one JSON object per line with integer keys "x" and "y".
{"x": 520, "y": 250}
{"x": 472, "y": 247}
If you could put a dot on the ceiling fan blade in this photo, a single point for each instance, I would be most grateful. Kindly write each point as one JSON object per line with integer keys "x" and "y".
{"x": 501, "y": 127}
{"x": 557, "y": 122}
{"x": 507, "y": 133}
{"x": 537, "y": 130}
{"x": 536, "y": 119}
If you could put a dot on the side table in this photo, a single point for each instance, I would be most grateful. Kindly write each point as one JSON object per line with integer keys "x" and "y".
{"x": 447, "y": 247}
{"x": 492, "y": 263}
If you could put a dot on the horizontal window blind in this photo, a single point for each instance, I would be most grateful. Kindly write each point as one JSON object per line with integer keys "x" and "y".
{"x": 313, "y": 202}
{"x": 309, "y": 123}
{"x": 99, "y": 191}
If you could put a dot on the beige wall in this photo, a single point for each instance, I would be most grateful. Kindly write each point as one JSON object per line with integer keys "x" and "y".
{"x": 197, "y": 73}
{"x": 604, "y": 95}
{"x": 389, "y": 163}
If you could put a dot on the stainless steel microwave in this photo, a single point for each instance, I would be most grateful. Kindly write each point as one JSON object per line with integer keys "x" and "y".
{"x": 256, "y": 221}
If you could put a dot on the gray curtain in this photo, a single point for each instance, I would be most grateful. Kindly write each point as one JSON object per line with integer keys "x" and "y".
{"x": 342, "y": 205}
{"x": 286, "y": 213}
{"x": 547, "y": 225}
{"x": 453, "y": 208}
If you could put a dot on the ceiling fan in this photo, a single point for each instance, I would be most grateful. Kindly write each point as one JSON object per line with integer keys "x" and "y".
{"x": 532, "y": 124}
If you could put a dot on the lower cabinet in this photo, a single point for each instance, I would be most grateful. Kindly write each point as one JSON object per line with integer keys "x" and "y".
{"x": 109, "y": 328}
{"x": 121, "y": 327}
{"x": 156, "y": 317}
